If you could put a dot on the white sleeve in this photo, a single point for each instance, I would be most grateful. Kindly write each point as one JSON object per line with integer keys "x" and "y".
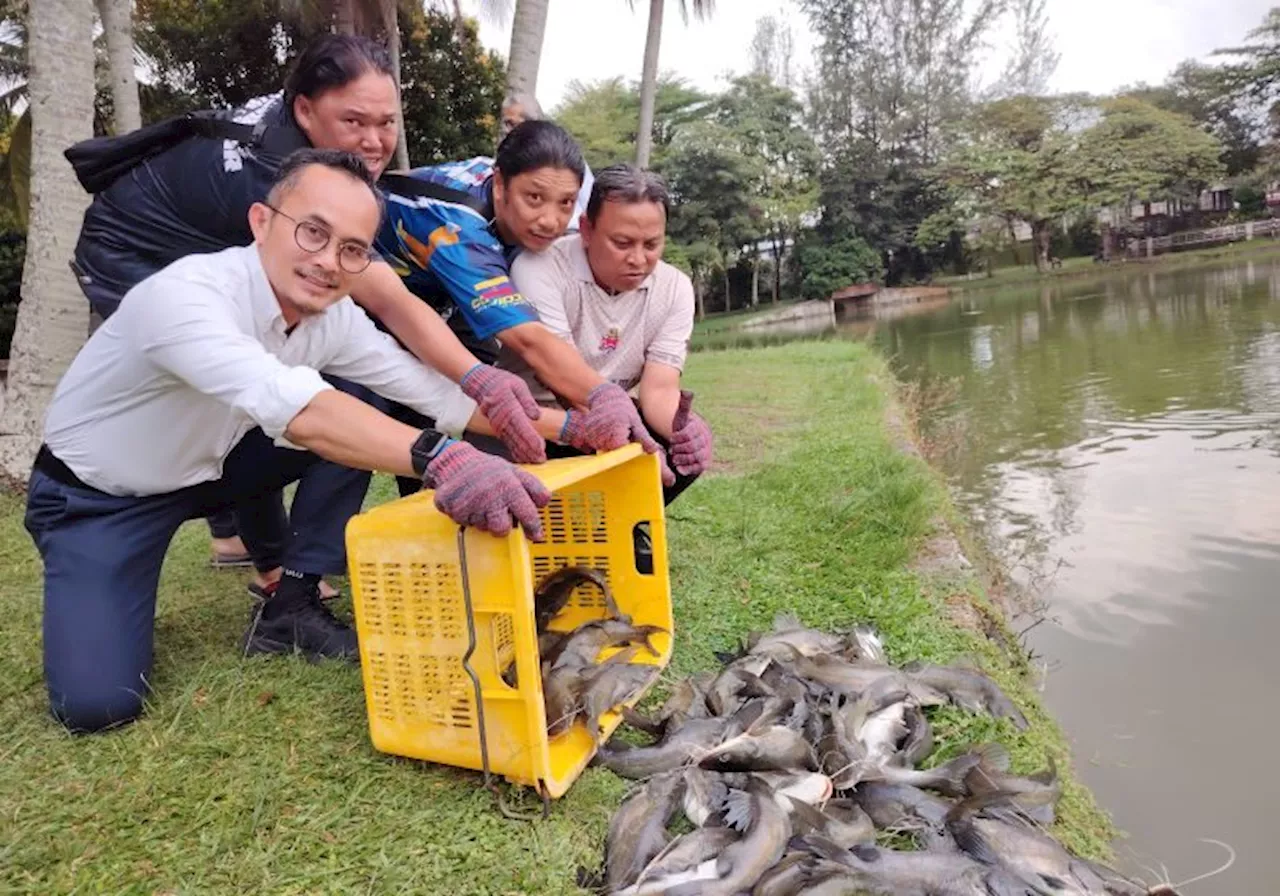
{"x": 540, "y": 278}
{"x": 670, "y": 344}
{"x": 367, "y": 356}
{"x": 192, "y": 333}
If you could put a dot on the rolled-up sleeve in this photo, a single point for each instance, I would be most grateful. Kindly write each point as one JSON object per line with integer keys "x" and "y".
{"x": 195, "y": 337}
{"x": 371, "y": 358}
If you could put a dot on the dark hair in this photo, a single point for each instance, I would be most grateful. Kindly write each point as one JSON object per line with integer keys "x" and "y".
{"x": 335, "y": 159}
{"x": 537, "y": 144}
{"x": 334, "y": 60}
{"x": 627, "y": 183}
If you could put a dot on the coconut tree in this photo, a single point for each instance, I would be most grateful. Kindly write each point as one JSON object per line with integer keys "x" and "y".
{"x": 649, "y": 75}
{"x": 53, "y": 315}
{"x": 528, "y": 25}
{"x": 117, "y": 25}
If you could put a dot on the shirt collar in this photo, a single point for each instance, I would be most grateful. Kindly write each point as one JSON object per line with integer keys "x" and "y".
{"x": 582, "y": 267}
{"x": 262, "y": 298}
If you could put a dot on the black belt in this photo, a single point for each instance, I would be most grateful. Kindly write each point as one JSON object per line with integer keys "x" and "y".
{"x": 48, "y": 464}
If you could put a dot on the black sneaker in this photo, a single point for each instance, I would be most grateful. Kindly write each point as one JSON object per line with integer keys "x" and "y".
{"x": 307, "y": 627}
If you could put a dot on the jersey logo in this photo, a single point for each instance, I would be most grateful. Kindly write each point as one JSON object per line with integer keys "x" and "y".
{"x": 419, "y": 252}
{"x": 495, "y": 292}
{"x": 610, "y": 341}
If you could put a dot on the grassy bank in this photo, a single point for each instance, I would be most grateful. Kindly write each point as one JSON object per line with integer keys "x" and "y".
{"x": 258, "y": 776}
{"x": 1081, "y": 268}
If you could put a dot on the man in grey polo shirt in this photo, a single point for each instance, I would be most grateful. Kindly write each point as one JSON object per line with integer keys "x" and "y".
{"x": 629, "y": 314}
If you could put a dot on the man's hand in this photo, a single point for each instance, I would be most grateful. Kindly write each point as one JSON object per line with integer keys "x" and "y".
{"x": 690, "y": 439}
{"x": 477, "y": 489}
{"x": 611, "y": 421}
{"x": 508, "y": 405}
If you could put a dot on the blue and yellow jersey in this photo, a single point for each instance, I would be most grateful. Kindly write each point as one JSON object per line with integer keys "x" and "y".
{"x": 448, "y": 254}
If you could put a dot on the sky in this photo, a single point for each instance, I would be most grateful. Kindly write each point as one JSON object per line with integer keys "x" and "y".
{"x": 1104, "y": 44}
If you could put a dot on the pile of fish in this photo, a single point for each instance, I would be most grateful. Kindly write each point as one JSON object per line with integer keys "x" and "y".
{"x": 575, "y": 684}
{"x": 792, "y": 758}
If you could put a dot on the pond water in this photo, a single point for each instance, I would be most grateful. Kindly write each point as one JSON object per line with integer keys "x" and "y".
{"x": 1117, "y": 442}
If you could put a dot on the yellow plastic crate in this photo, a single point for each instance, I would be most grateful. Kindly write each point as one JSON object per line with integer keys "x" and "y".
{"x": 425, "y": 658}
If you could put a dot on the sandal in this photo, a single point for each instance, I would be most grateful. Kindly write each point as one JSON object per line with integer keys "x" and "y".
{"x": 230, "y": 561}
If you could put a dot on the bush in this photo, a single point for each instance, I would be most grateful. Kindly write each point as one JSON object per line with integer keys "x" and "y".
{"x": 829, "y": 265}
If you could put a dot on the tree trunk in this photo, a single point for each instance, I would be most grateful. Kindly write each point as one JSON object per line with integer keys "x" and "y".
{"x": 778, "y": 247}
{"x": 117, "y": 24}
{"x": 344, "y": 16}
{"x": 699, "y": 299}
{"x": 755, "y": 279}
{"x": 391, "y": 22}
{"x": 528, "y": 25}
{"x": 649, "y": 84}
{"x": 53, "y": 315}
{"x": 1013, "y": 243}
{"x": 1041, "y": 237}
{"x": 728, "y": 301}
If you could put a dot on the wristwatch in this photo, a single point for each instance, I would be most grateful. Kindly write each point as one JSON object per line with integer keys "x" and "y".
{"x": 426, "y": 448}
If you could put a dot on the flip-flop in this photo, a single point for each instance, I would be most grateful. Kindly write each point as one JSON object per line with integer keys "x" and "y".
{"x": 230, "y": 561}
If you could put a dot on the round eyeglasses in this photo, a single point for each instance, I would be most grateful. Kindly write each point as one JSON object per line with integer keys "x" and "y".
{"x": 311, "y": 237}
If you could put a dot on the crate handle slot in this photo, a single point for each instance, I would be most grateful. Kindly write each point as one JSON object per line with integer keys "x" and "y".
{"x": 642, "y": 547}
{"x": 489, "y": 783}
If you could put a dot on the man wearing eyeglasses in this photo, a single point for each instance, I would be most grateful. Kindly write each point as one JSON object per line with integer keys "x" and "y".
{"x": 204, "y": 389}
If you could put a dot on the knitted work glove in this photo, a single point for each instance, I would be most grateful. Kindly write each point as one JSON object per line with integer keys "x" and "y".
{"x": 508, "y": 405}
{"x": 610, "y": 422}
{"x": 690, "y": 439}
{"x": 477, "y": 489}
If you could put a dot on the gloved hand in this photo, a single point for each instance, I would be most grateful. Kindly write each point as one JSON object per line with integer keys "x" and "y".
{"x": 610, "y": 422}
{"x": 690, "y": 438}
{"x": 507, "y": 403}
{"x": 477, "y": 489}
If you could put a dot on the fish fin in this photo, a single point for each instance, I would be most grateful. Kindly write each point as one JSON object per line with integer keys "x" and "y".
{"x": 806, "y": 814}
{"x": 993, "y": 756}
{"x": 967, "y": 836}
{"x": 913, "y": 666}
{"x": 739, "y": 809}
{"x": 787, "y": 621}
{"x": 966, "y": 663}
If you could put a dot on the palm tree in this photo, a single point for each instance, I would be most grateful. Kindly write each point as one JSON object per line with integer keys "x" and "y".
{"x": 649, "y": 76}
{"x": 117, "y": 23}
{"x": 53, "y": 316}
{"x": 528, "y": 25}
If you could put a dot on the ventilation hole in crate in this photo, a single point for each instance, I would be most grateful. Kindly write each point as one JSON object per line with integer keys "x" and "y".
{"x": 504, "y": 649}
{"x": 371, "y": 595}
{"x": 435, "y": 591}
{"x": 381, "y": 691}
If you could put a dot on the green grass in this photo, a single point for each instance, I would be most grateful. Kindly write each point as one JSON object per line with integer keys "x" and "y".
{"x": 1081, "y": 268}
{"x": 259, "y": 777}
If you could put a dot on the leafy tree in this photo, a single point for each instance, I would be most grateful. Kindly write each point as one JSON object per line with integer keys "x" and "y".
{"x": 713, "y": 212}
{"x": 772, "y": 51}
{"x": 829, "y": 265}
{"x": 1209, "y": 95}
{"x": 1140, "y": 153}
{"x": 603, "y": 116}
{"x": 1034, "y": 59}
{"x": 1016, "y": 160}
{"x": 892, "y": 78}
{"x": 764, "y": 121}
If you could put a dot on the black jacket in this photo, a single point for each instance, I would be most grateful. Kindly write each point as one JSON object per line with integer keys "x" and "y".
{"x": 193, "y": 197}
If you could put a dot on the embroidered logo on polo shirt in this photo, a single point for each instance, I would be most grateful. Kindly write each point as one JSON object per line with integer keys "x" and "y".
{"x": 610, "y": 340}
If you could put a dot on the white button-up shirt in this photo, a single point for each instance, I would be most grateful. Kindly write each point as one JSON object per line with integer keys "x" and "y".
{"x": 197, "y": 355}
